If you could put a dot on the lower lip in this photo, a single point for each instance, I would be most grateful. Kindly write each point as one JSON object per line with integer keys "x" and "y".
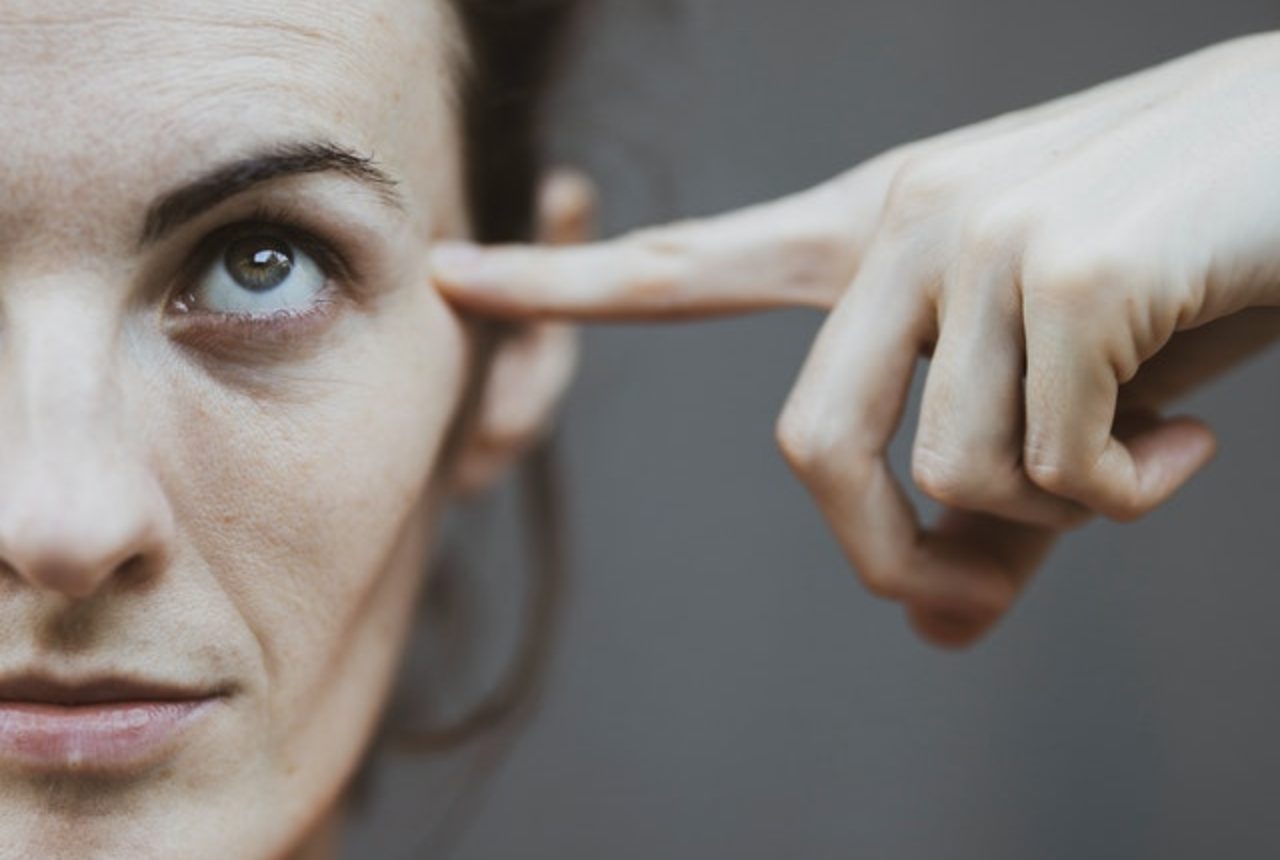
{"x": 109, "y": 735}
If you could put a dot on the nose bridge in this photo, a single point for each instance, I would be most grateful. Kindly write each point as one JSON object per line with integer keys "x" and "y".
{"x": 77, "y": 499}
{"x": 58, "y": 375}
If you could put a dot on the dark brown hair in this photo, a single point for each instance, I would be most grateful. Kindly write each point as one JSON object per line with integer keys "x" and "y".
{"x": 511, "y": 50}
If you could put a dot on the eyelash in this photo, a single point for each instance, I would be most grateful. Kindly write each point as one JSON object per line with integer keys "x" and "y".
{"x": 206, "y": 327}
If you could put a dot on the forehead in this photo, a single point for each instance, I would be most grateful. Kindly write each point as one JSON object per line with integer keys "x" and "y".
{"x": 137, "y": 94}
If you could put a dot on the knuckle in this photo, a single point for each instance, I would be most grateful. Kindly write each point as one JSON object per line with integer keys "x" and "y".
{"x": 919, "y": 189}
{"x": 1049, "y": 470}
{"x": 654, "y": 267}
{"x": 802, "y": 441}
{"x": 816, "y": 264}
{"x": 1128, "y": 504}
{"x": 995, "y": 228}
{"x": 954, "y": 481}
{"x": 1072, "y": 280}
{"x": 1084, "y": 479}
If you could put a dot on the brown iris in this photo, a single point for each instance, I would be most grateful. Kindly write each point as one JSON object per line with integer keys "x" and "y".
{"x": 259, "y": 263}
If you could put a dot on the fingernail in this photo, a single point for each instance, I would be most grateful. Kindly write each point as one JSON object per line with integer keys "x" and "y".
{"x": 456, "y": 261}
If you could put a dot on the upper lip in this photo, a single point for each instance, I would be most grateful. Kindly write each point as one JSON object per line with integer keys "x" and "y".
{"x": 94, "y": 690}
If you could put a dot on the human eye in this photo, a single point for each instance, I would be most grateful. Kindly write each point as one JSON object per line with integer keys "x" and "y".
{"x": 258, "y": 279}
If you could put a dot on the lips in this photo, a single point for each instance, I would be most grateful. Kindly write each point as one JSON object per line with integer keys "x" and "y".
{"x": 102, "y": 723}
{"x": 45, "y": 689}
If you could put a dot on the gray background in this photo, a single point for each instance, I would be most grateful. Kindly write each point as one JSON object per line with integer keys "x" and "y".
{"x": 724, "y": 687}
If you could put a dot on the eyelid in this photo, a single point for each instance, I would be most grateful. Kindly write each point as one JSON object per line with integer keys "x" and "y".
{"x": 265, "y": 221}
{"x": 244, "y": 336}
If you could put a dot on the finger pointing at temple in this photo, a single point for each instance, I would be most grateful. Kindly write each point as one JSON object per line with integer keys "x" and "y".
{"x": 801, "y": 250}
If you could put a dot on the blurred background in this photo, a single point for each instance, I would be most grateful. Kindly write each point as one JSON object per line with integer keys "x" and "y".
{"x": 724, "y": 687}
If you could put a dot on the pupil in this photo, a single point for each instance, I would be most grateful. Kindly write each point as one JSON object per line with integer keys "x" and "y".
{"x": 259, "y": 264}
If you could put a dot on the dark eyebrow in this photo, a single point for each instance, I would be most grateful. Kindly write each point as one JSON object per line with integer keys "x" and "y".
{"x": 180, "y": 205}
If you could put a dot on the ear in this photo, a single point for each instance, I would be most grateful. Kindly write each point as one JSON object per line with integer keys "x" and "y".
{"x": 532, "y": 367}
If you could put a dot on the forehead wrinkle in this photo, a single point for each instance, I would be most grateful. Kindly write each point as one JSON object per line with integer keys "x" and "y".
{"x": 140, "y": 61}
{"x": 48, "y": 27}
{"x": 155, "y": 69}
{"x": 351, "y": 58}
{"x": 147, "y": 66}
{"x": 86, "y": 188}
{"x": 127, "y": 101}
{"x": 67, "y": 35}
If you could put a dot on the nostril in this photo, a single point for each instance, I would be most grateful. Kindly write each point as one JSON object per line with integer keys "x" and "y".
{"x": 80, "y": 571}
{"x": 75, "y": 530}
{"x": 133, "y": 569}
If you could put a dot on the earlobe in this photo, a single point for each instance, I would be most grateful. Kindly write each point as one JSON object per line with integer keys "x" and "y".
{"x": 533, "y": 366}
{"x": 530, "y": 374}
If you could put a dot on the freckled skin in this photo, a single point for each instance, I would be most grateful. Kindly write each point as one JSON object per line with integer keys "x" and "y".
{"x": 282, "y": 505}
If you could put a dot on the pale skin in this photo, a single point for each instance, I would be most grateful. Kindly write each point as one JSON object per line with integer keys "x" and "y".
{"x": 193, "y": 494}
{"x": 1070, "y": 269}
{"x": 221, "y": 487}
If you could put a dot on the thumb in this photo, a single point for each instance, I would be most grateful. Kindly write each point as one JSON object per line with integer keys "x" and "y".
{"x": 1166, "y": 451}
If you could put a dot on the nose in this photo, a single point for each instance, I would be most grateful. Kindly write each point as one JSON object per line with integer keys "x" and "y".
{"x": 68, "y": 526}
{"x": 78, "y": 505}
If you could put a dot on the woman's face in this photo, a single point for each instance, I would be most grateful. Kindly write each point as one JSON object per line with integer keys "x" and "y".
{"x": 224, "y": 384}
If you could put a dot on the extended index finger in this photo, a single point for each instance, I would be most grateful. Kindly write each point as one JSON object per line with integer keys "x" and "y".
{"x": 801, "y": 250}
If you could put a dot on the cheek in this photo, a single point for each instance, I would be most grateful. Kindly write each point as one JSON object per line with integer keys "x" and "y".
{"x": 311, "y": 506}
